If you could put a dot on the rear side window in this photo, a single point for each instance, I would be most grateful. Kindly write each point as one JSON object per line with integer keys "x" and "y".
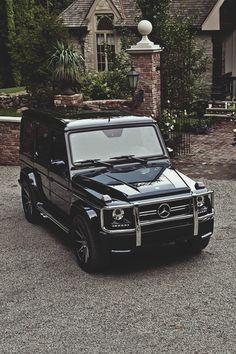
{"x": 27, "y": 138}
{"x": 42, "y": 144}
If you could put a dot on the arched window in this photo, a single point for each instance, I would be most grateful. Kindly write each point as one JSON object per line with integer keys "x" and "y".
{"x": 105, "y": 40}
{"x": 105, "y": 23}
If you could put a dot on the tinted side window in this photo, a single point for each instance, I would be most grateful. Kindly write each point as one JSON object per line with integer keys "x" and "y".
{"x": 42, "y": 144}
{"x": 58, "y": 147}
{"x": 27, "y": 138}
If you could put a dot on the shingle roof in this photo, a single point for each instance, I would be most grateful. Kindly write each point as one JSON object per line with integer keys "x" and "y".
{"x": 200, "y": 9}
{"x": 75, "y": 14}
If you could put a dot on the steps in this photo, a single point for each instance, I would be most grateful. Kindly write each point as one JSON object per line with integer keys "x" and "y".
{"x": 221, "y": 110}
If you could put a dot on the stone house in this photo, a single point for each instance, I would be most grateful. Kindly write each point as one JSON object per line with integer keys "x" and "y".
{"x": 94, "y": 22}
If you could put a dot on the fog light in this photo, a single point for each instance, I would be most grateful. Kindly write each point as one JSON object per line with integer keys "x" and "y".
{"x": 118, "y": 214}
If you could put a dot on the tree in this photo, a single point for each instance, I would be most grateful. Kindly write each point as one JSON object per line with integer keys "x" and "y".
{"x": 39, "y": 31}
{"x": 27, "y": 18}
{"x": 8, "y": 74}
{"x": 184, "y": 62}
{"x": 157, "y": 12}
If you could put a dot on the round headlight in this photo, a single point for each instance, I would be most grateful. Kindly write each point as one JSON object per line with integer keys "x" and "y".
{"x": 118, "y": 214}
{"x": 200, "y": 201}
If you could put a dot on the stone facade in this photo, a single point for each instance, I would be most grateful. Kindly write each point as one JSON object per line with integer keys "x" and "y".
{"x": 14, "y": 100}
{"x": 9, "y": 141}
{"x": 89, "y": 53}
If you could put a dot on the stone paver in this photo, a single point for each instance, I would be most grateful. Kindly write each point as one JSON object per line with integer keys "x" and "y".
{"x": 212, "y": 155}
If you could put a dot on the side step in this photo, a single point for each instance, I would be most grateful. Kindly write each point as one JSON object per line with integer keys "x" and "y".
{"x": 45, "y": 214}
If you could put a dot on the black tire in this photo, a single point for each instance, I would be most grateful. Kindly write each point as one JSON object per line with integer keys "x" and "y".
{"x": 196, "y": 245}
{"x": 28, "y": 202}
{"x": 90, "y": 256}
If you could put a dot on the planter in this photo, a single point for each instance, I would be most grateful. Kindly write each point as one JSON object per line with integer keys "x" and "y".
{"x": 68, "y": 100}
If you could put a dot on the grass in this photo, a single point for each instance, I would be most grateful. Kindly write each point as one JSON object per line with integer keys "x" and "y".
{"x": 12, "y": 89}
{"x": 10, "y": 112}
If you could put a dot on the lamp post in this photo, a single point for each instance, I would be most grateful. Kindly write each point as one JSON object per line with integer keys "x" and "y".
{"x": 133, "y": 77}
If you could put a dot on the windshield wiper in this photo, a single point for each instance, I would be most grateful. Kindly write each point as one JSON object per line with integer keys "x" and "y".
{"x": 95, "y": 162}
{"x": 129, "y": 157}
{"x": 144, "y": 160}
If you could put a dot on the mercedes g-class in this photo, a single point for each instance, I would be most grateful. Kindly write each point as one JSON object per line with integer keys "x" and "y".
{"x": 106, "y": 179}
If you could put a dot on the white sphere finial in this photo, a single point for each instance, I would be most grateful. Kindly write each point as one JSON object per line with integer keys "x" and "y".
{"x": 144, "y": 27}
{"x": 145, "y": 45}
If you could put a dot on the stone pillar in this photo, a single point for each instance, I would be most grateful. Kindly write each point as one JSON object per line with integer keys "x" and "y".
{"x": 145, "y": 56}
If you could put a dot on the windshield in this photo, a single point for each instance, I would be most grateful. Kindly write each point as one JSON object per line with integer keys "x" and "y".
{"x": 109, "y": 143}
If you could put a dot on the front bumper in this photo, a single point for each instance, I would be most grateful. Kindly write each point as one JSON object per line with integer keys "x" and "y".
{"x": 126, "y": 242}
{"x": 175, "y": 229}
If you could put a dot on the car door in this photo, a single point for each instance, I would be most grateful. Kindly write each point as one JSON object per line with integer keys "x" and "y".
{"x": 59, "y": 173}
{"x": 42, "y": 157}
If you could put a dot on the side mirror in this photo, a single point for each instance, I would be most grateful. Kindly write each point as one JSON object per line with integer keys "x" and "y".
{"x": 58, "y": 166}
{"x": 171, "y": 152}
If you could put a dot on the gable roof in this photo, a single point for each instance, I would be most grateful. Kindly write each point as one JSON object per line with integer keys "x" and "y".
{"x": 200, "y": 9}
{"x": 75, "y": 14}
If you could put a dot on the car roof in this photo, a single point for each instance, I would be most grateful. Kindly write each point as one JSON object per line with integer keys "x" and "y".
{"x": 79, "y": 119}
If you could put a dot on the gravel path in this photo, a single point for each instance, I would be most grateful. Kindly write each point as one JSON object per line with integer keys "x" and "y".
{"x": 161, "y": 303}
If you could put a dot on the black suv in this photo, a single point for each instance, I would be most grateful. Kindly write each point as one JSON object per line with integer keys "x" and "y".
{"x": 107, "y": 181}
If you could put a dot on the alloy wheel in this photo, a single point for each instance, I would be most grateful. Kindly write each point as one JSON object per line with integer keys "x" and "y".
{"x": 81, "y": 243}
{"x": 26, "y": 199}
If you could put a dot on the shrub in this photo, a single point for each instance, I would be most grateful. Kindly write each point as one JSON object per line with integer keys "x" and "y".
{"x": 108, "y": 84}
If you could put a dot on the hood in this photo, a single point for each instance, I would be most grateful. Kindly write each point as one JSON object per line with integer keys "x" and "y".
{"x": 133, "y": 182}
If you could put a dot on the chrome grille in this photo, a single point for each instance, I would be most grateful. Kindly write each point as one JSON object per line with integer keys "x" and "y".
{"x": 180, "y": 208}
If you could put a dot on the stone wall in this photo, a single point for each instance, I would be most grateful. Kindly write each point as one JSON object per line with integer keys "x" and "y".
{"x": 9, "y": 141}
{"x": 107, "y": 104}
{"x": 77, "y": 101}
{"x": 14, "y": 100}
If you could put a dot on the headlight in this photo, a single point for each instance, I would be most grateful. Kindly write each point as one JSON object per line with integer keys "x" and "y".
{"x": 118, "y": 214}
{"x": 118, "y": 218}
{"x": 203, "y": 204}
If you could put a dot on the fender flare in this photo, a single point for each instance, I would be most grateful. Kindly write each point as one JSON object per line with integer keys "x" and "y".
{"x": 91, "y": 215}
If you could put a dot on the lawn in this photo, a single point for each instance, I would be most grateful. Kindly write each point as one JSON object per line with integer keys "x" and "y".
{"x": 9, "y": 112}
{"x": 12, "y": 89}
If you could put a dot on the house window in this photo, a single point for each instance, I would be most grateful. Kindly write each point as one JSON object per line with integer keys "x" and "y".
{"x": 105, "y": 41}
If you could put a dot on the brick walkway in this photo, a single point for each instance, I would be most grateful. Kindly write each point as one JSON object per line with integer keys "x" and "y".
{"x": 212, "y": 155}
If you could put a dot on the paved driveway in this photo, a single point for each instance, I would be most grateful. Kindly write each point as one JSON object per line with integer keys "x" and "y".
{"x": 212, "y": 154}
{"x": 163, "y": 303}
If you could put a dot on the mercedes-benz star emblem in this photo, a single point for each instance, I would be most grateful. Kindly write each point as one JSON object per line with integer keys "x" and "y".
{"x": 163, "y": 211}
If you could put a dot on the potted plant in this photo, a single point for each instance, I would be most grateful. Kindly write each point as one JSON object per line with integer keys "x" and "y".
{"x": 67, "y": 66}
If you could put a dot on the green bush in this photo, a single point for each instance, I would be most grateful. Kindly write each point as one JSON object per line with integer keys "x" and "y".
{"x": 108, "y": 84}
